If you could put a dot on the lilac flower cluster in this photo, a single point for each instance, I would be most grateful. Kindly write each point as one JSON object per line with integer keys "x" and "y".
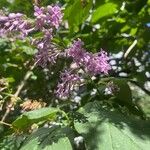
{"x": 46, "y": 55}
{"x": 93, "y": 63}
{"x": 50, "y": 16}
{"x": 14, "y": 22}
{"x": 67, "y": 84}
{"x": 76, "y": 51}
{"x": 47, "y": 20}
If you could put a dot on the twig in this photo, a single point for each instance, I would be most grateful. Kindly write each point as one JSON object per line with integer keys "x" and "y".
{"x": 15, "y": 96}
{"x": 23, "y": 82}
{"x": 37, "y": 2}
{"x": 129, "y": 49}
{"x": 7, "y": 124}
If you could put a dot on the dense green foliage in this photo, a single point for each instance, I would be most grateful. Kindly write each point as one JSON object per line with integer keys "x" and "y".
{"x": 117, "y": 121}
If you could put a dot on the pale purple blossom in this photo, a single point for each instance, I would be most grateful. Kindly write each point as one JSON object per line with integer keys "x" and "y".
{"x": 97, "y": 63}
{"x": 40, "y": 15}
{"x": 48, "y": 34}
{"x": 14, "y": 22}
{"x": 47, "y": 54}
{"x": 76, "y": 51}
{"x": 68, "y": 81}
{"x": 38, "y": 11}
{"x": 48, "y": 17}
{"x": 47, "y": 51}
{"x": 55, "y": 15}
{"x": 92, "y": 63}
{"x": 45, "y": 57}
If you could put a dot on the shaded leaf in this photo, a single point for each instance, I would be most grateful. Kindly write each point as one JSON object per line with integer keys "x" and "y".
{"x": 110, "y": 130}
{"x": 53, "y": 138}
{"x": 124, "y": 94}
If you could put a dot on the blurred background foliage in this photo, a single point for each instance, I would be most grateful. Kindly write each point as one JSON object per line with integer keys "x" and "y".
{"x": 121, "y": 27}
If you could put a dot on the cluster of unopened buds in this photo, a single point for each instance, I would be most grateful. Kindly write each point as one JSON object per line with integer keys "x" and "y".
{"x": 47, "y": 21}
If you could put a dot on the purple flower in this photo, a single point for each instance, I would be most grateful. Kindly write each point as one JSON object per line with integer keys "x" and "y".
{"x": 38, "y": 11}
{"x": 55, "y": 15}
{"x": 3, "y": 19}
{"x": 47, "y": 54}
{"x": 97, "y": 63}
{"x": 92, "y": 63}
{"x": 48, "y": 34}
{"x": 40, "y": 15}
{"x": 68, "y": 82}
{"x": 76, "y": 51}
{"x": 48, "y": 17}
{"x": 47, "y": 51}
{"x": 14, "y": 23}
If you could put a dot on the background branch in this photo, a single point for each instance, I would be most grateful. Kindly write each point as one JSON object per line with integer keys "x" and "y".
{"x": 15, "y": 96}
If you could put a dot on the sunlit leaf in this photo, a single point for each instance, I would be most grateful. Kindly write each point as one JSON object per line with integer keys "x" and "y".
{"x": 104, "y": 11}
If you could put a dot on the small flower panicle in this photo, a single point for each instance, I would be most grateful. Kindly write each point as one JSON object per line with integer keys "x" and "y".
{"x": 14, "y": 22}
{"x": 46, "y": 55}
{"x": 97, "y": 63}
{"x": 68, "y": 81}
{"x": 47, "y": 19}
{"x": 93, "y": 63}
{"x": 55, "y": 15}
{"x": 76, "y": 51}
{"x": 51, "y": 16}
{"x": 38, "y": 11}
{"x": 40, "y": 15}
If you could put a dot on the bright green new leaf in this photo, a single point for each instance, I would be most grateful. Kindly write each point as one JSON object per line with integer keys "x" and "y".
{"x": 28, "y": 118}
{"x": 104, "y": 11}
{"x": 76, "y": 13}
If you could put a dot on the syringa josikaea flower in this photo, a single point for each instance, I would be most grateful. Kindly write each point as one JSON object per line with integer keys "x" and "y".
{"x": 47, "y": 54}
{"x": 14, "y": 22}
{"x": 68, "y": 81}
{"x": 92, "y": 63}
{"x": 47, "y": 51}
{"x": 48, "y": 17}
{"x": 97, "y": 63}
{"x": 76, "y": 51}
{"x": 40, "y": 15}
{"x": 55, "y": 15}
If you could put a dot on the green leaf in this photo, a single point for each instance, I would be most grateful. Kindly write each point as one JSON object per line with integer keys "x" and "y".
{"x": 28, "y": 50}
{"x": 53, "y": 138}
{"x": 11, "y": 142}
{"x": 104, "y": 11}
{"x": 28, "y": 118}
{"x": 133, "y": 31}
{"x": 124, "y": 94}
{"x": 109, "y": 130}
{"x": 76, "y": 13}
